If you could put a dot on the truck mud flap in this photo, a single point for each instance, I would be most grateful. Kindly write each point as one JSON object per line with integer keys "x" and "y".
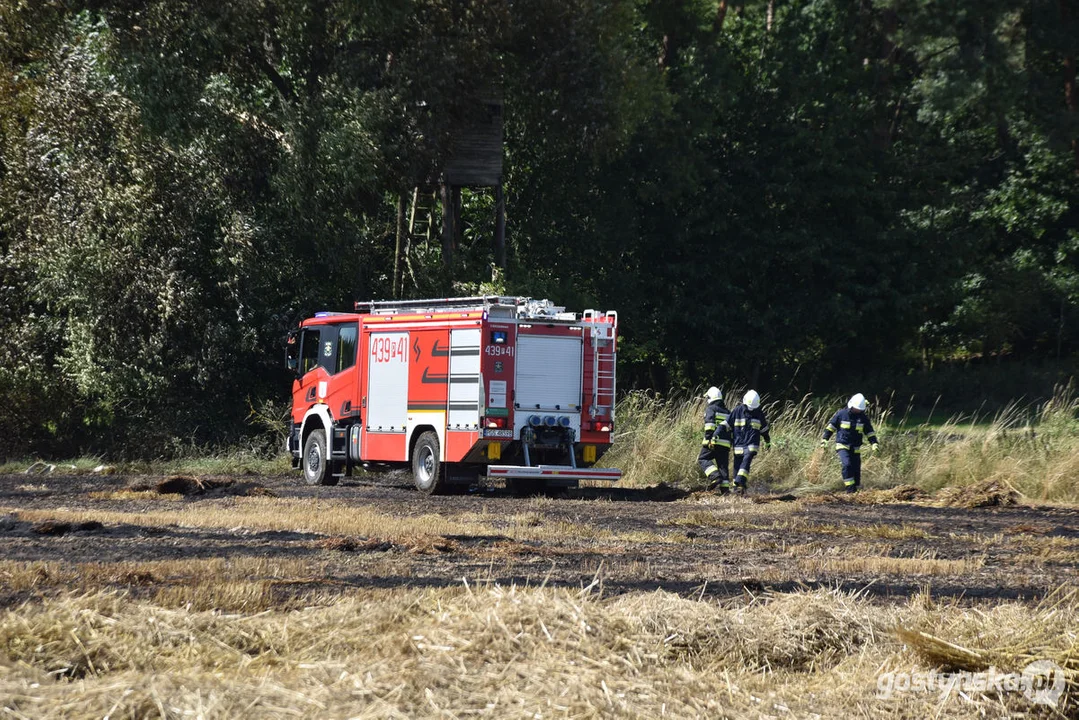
{"x": 553, "y": 473}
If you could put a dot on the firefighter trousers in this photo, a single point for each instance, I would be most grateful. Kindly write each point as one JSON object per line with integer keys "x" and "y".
{"x": 851, "y": 462}
{"x": 715, "y": 463}
{"x": 743, "y": 459}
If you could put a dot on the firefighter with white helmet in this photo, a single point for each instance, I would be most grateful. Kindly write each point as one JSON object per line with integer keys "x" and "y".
{"x": 851, "y": 425}
{"x": 748, "y": 429}
{"x": 714, "y": 457}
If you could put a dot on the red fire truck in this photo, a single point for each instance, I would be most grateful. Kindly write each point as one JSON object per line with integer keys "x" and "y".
{"x": 507, "y": 388}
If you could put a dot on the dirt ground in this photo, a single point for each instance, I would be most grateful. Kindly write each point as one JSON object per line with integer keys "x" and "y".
{"x": 627, "y": 540}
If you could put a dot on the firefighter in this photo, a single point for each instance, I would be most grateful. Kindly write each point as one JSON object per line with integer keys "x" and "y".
{"x": 748, "y": 428}
{"x": 714, "y": 457}
{"x": 850, "y": 425}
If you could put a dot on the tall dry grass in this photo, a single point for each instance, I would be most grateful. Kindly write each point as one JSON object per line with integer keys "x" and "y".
{"x": 654, "y": 438}
{"x": 515, "y": 652}
{"x": 1033, "y": 449}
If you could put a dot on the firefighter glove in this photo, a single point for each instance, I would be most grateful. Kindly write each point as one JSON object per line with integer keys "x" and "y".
{"x": 875, "y": 446}
{"x": 823, "y": 443}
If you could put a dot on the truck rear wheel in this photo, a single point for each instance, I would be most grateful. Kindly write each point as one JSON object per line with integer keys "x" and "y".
{"x": 316, "y": 460}
{"x": 426, "y": 468}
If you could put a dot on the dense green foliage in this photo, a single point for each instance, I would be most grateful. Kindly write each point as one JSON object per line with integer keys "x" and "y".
{"x": 780, "y": 191}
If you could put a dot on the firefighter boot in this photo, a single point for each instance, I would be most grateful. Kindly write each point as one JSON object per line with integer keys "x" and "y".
{"x": 725, "y": 487}
{"x": 712, "y": 476}
{"x": 740, "y": 486}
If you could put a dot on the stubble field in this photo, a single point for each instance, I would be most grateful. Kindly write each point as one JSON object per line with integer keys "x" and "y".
{"x": 260, "y": 597}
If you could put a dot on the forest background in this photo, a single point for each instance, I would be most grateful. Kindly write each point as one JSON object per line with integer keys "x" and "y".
{"x": 808, "y": 196}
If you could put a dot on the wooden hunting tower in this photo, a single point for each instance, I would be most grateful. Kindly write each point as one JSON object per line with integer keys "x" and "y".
{"x": 474, "y": 161}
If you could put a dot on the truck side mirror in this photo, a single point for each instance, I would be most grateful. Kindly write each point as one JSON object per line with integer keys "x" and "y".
{"x": 292, "y": 352}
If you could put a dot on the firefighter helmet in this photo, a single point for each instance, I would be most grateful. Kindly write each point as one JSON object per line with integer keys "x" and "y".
{"x": 752, "y": 400}
{"x": 713, "y": 394}
{"x": 857, "y": 402}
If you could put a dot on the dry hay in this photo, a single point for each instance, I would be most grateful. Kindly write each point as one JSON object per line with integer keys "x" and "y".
{"x": 507, "y": 652}
{"x": 900, "y": 493}
{"x": 353, "y": 544}
{"x": 57, "y": 527}
{"x": 254, "y": 490}
{"x": 132, "y": 495}
{"x": 200, "y": 578}
{"x": 772, "y": 633}
{"x": 714, "y": 497}
{"x": 500, "y": 547}
{"x": 429, "y": 545}
{"x": 941, "y": 653}
{"x": 1027, "y": 529}
{"x": 497, "y": 652}
{"x": 51, "y": 527}
{"x": 785, "y": 497}
{"x": 989, "y": 493}
{"x": 985, "y": 494}
{"x": 1008, "y": 637}
{"x": 342, "y": 544}
{"x": 186, "y": 485}
{"x": 817, "y": 460}
{"x": 878, "y": 565}
{"x": 273, "y": 514}
{"x": 825, "y": 499}
{"x": 418, "y": 545}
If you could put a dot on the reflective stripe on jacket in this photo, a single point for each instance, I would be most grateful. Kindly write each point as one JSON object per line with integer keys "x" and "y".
{"x": 850, "y": 428}
{"x": 748, "y": 428}
{"x": 716, "y": 431}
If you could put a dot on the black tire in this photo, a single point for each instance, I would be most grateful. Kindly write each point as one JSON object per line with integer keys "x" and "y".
{"x": 315, "y": 460}
{"x": 426, "y": 468}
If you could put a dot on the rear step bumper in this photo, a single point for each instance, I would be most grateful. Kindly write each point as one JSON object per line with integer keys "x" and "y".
{"x": 553, "y": 472}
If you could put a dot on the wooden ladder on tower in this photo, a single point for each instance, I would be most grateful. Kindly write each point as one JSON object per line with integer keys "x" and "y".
{"x": 421, "y": 215}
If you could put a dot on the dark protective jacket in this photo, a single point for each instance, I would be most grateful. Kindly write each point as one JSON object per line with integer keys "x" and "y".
{"x": 748, "y": 428}
{"x": 850, "y": 428}
{"x": 715, "y": 431}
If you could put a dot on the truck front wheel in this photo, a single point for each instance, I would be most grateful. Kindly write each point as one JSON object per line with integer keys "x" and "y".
{"x": 316, "y": 461}
{"x": 426, "y": 470}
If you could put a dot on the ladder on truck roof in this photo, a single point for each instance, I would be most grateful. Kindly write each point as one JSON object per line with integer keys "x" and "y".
{"x": 518, "y": 307}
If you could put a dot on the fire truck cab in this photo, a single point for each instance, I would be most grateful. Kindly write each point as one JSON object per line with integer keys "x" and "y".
{"x": 506, "y": 388}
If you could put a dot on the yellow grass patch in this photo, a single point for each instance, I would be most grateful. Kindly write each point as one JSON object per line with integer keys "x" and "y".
{"x": 340, "y": 519}
{"x": 1043, "y": 550}
{"x": 134, "y": 495}
{"x": 736, "y": 520}
{"x": 877, "y": 565}
{"x": 37, "y": 575}
{"x": 261, "y": 513}
{"x": 885, "y": 531}
{"x": 26, "y": 487}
